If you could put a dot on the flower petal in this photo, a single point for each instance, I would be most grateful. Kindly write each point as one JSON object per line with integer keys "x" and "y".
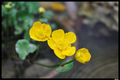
{"x": 58, "y": 35}
{"x": 82, "y": 55}
{"x": 32, "y": 34}
{"x": 51, "y": 43}
{"x": 58, "y": 53}
{"x": 38, "y": 36}
{"x": 36, "y": 24}
{"x": 70, "y": 37}
{"x": 62, "y": 44}
{"x": 40, "y": 32}
{"x": 47, "y": 30}
{"x": 70, "y": 51}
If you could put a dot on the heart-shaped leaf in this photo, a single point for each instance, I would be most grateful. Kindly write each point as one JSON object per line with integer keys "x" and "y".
{"x": 66, "y": 67}
{"x": 23, "y": 48}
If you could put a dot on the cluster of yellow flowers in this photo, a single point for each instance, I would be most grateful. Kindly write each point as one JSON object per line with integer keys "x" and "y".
{"x": 59, "y": 41}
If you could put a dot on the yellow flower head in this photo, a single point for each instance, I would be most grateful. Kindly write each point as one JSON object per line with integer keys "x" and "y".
{"x": 61, "y": 42}
{"x": 58, "y": 6}
{"x": 41, "y": 10}
{"x": 40, "y": 32}
{"x": 8, "y": 6}
{"x": 82, "y": 55}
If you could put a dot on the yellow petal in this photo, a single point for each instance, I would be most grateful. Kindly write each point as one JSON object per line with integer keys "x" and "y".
{"x": 47, "y": 30}
{"x": 70, "y": 37}
{"x": 40, "y": 32}
{"x": 58, "y": 35}
{"x": 58, "y": 6}
{"x": 62, "y": 44}
{"x": 82, "y": 55}
{"x": 58, "y": 53}
{"x": 36, "y": 24}
{"x": 37, "y": 37}
{"x": 32, "y": 34}
{"x": 51, "y": 43}
{"x": 70, "y": 51}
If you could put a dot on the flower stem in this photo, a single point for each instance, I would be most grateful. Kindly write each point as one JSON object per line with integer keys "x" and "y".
{"x": 49, "y": 66}
{"x": 55, "y": 65}
{"x": 60, "y": 61}
{"x": 37, "y": 52}
{"x": 68, "y": 62}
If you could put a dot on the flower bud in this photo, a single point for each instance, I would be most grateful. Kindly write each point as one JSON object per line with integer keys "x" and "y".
{"x": 83, "y": 55}
{"x": 8, "y": 6}
{"x": 41, "y": 10}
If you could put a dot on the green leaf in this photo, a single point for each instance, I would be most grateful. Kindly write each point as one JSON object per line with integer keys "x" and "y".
{"x": 3, "y": 10}
{"x": 48, "y": 14}
{"x": 13, "y": 12}
{"x": 23, "y": 48}
{"x": 32, "y": 7}
{"x": 60, "y": 61}
{"x": 32, "y": 48}
{"x": 43, "y": 20}
{"x": 4, "y": 24}
{"x": 26, "y": 35}
{"x": 53, "y": 26}
{"x": 18, "y": 30}
{"x": 66, "y": 67}
{"x": 28, "y": 21}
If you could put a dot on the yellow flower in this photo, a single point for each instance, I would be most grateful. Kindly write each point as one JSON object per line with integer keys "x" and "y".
{"x": 8, "y": 6}
{"x": 61, "y": 42}
{"x": 82, "y": 55}
{"x": 58, "y": 6}
{"x": 41, "y": 10}
{"x": 40, "y": 32}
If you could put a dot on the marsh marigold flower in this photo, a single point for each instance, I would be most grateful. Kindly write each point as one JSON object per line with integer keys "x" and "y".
{"x": 58, "y": 6}
{"x": 82, "y": 55}
{"x": 8, "y": 6}
{"x": 41, "y": 10}
{"x": 40, "y": 32}
{"x": 61, "y": 42}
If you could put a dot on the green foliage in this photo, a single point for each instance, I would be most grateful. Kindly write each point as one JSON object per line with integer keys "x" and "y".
{"x": 53, "y": 26}
{"x": 26, "y": 35}
{"x": 44, "y": 20}
{"x": 66, "y": 67}
{"x": 23, "y": 48}
{"x": 48, "y": 14}
{"x": 32, "y": 7}
{"x": 20, "y": 16}
{"x": 4, "y": 12}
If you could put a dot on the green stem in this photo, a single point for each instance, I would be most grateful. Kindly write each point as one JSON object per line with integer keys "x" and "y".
{"x": 49, "y": 66}
{"x": 60, "y": 61}
{"x": 68, "y": 62}
{"x": 37, "y": 52}
{"x": 56, "y": 65}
